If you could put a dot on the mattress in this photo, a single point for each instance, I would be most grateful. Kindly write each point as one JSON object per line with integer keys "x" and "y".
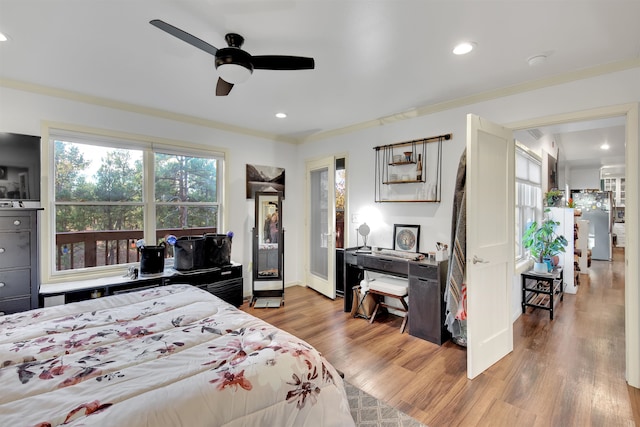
{"x": 167, "y": 356}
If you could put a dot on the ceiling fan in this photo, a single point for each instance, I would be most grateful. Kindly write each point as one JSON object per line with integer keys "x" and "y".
{"x": 235, "y": 65}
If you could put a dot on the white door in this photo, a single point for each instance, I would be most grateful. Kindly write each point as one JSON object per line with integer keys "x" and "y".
{"x": 490, "y": 243}
{"x": 319, "y": 227}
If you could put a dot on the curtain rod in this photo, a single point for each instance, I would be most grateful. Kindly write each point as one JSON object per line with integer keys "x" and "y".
{"x": 445, "y": 137}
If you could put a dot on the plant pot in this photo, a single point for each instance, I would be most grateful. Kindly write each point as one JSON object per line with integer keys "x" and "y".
{"x": 549, "y": 264}
{"x": 540, "y": 267}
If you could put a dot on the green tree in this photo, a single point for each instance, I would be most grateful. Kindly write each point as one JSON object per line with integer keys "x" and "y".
{"x": 118, "y": 180}
{"x": 182, "y": 179}
{"x": 70, "y": 185}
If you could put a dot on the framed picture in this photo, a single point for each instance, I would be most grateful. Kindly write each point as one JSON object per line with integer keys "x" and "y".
{"x": 3, "y": 172}
{"x": 406, "y": 237}
{"x": 264, "y": 179}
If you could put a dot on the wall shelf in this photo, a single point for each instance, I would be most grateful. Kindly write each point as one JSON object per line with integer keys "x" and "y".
{"x": 409, "y": 171}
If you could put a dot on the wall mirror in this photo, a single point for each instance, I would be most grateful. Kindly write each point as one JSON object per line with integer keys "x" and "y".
{"x": 268, "y": 236}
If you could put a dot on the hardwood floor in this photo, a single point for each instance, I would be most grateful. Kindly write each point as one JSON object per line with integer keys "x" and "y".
{"x": 565, "y": 372}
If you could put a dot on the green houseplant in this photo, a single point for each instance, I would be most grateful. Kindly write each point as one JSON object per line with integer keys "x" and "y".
{"x": 543, "y": 242}
{"x": 553, "y": 197}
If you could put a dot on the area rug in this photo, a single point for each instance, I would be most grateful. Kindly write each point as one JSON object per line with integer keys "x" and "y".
{"x": 366, "y": 410}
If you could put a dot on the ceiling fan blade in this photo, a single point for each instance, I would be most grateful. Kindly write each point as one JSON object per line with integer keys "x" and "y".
{"x": 223, "y": 87}
{"x": 184, "y": 36}
{"x": 282, "y": 62}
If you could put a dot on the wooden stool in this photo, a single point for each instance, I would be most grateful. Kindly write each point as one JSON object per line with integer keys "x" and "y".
{"x": 392, "y": 288}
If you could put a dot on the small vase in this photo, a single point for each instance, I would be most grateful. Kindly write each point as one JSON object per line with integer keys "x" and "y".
{"x": 540, "y": 267}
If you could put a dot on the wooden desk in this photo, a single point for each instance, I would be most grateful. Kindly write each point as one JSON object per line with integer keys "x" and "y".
{"x": 539, "y": 290}
{"x": 427, "y": 281}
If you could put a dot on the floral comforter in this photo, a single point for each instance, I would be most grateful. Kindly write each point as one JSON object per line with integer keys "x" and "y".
{"x": 167, "y": 356}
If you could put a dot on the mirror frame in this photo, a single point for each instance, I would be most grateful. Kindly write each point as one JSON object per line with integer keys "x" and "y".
{"x": 267, "y": 203}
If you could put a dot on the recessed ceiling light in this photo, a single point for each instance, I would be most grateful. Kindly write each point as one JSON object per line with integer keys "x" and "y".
{"x": 281, "y": 115}
{"x": 463, "y": 48}
{"x": 3, "y": 38}
{"x": 604, "y": 146}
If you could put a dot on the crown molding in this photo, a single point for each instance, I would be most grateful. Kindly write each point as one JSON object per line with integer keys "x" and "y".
{"x": 138, "y": 109}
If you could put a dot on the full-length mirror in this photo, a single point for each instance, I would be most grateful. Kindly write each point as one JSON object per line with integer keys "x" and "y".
{"x": 268, "y": 236}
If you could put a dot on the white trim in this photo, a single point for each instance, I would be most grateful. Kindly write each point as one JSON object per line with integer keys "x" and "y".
{"x": 148, "y": 145}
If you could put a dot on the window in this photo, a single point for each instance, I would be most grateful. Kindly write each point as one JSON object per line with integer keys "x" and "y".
{"x": 528, "y": 195}
{"x": 108, "y": 193}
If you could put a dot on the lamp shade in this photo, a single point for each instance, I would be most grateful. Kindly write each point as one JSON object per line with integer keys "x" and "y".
{"x": 233, "y": 73}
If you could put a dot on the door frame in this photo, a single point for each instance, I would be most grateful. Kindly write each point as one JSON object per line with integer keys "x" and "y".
{"x": 631, "y": 112}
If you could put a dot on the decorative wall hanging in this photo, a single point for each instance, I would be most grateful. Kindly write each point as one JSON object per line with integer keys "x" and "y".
{"x": 409, "y": 171}
{"x": 264, "y": 178}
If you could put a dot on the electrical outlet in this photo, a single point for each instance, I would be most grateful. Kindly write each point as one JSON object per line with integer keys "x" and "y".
{"x": 355, "y": 218}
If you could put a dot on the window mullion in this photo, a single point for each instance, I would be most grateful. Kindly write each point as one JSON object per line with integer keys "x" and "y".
{"x": 148, "y": 196}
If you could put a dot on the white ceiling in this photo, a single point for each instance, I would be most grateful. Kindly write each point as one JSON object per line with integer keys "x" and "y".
{"x": 374, "y": 58}
{"x": 580, "y": 143}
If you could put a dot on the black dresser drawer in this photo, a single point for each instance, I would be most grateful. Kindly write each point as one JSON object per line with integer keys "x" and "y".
{"x": 423, "y": 270}
{"x": 15, "y": 283}
{"x": 384, "y": 265}
{"x": 15, "y": 305}
{"x": 15, "y": 222}
{"x": 15, "y": 249}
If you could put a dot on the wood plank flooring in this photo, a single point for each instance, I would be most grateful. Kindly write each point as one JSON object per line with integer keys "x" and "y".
{"x": 564, "y": 372}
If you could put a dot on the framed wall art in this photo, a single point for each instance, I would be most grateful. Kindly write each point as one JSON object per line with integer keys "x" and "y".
{"x": 406, "y": 237}
{"x": 264, "y": 178}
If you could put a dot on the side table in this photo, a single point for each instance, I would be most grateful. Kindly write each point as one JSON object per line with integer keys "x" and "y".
{"x": 539, "y": 290}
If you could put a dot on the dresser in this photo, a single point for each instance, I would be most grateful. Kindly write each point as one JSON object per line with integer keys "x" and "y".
{"x": 19, "y": 279}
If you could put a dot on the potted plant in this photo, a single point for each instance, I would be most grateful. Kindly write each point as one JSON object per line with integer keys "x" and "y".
{"x": 553, "y": 197}
{"x": 543, "y": 242}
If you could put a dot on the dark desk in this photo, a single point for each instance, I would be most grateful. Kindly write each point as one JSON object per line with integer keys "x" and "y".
{"x": 427, "y": 281}
{"x": 540, "y": 289}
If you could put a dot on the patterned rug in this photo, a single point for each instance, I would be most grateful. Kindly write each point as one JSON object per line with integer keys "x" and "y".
{"x": 366, "y": 410}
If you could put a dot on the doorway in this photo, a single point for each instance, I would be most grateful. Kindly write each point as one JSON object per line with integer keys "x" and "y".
{"x": 632, "y": 293}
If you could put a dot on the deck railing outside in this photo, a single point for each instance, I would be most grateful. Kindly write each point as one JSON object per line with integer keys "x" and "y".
{"x": 80, "y": 249}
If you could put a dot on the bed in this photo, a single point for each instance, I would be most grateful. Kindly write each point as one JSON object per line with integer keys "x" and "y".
{"x": 167, "y": 356}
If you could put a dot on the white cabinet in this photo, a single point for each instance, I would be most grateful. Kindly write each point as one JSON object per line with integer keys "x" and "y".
{"x": 565, "y": 217}
{"x": 617, "y": 188}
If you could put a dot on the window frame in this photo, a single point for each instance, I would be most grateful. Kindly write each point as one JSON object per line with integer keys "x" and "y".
{"x": 522, "y": 254}
{"x": 149, "y": 146}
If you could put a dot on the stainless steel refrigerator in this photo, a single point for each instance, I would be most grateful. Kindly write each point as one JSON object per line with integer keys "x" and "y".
{"x": 597, "y": 208}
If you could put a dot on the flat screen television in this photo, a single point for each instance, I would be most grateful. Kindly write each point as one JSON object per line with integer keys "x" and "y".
{"x": 19, "y": 167}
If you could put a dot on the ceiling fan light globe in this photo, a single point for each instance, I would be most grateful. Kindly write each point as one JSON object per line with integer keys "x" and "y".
{"x": 234, "y": 73}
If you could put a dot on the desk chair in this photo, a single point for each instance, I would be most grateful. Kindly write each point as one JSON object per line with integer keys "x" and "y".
{"x": 393, "y": 288}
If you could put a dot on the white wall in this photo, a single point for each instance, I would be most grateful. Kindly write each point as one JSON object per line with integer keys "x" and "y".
{"x": 435, "y": 219}
{"x": 24, "y": 112}
{"x": 585, "y": 178}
